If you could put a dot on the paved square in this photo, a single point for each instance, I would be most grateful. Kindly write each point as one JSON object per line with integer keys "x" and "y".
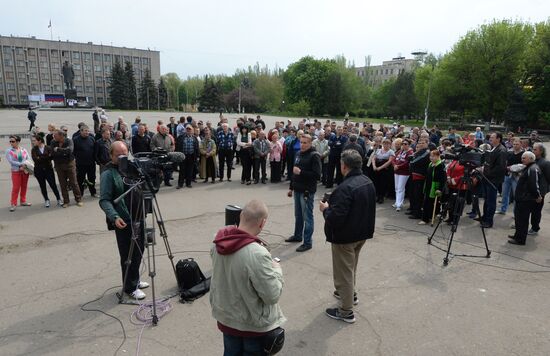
{"x": 54, "y": 260}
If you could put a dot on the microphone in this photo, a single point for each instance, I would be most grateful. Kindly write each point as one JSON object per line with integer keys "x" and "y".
{"x": 176, "y": 157}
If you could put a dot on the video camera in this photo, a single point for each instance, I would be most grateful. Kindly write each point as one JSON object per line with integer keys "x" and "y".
{"x": 469, "y": 157}
{"x": 149, "y": 165}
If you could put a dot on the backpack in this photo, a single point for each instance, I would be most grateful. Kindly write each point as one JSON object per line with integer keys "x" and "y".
{"x": 191, "y": 281}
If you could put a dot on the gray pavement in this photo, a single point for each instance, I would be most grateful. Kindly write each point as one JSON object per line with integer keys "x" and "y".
{"x": 54, "y": 260}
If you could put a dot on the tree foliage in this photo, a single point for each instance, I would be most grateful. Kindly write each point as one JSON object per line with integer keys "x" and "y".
{"x": 130, "y": 92}
{"x": 147, "y": 92}
{"x": 117, "y": 87}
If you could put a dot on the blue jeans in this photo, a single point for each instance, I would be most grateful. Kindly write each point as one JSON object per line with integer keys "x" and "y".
{"x": 242, "y": 346}
{"x": 303, "y": 212}
{"x": 490, "y": 203}
{"x": 508, "y": 187}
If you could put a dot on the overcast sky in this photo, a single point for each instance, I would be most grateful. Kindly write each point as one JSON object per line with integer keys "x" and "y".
{"x": 212, "y": 37}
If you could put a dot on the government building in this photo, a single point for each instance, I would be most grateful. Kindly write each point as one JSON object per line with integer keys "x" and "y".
{"x": 377, "y": 75}
{"x": 30, "y": 69}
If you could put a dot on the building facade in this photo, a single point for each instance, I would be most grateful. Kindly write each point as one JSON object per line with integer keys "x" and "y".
{"x": 377, "y": 75}
{"x": 32, "y": 67}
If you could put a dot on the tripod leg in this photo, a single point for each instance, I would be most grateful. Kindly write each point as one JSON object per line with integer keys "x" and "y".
{"x": 150, "y": 243}
{"x": 435, "y": 229}
{"x": 485, "y": 240}
{"x": 164, "y": 234}
{"x": 446, "y": 259}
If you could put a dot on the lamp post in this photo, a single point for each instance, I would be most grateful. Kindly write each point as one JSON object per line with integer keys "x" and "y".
{"x": 420, "y": 54}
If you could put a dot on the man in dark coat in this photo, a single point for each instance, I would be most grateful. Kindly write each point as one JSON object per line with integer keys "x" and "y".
{"x": 349, "y": 222}
{"x": 306, "y": 173}
{"x": 528, "y": 195}
{"x": 494, "y": 171}
{"x": 32, "y": 118}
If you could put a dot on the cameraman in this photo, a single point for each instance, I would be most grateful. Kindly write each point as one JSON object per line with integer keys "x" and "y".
{"x": 125, "y": 218}
{"x": 494, "y": 171}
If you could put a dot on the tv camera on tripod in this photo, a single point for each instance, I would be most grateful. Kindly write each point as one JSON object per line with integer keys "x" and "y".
{"x": 471, "y": 158}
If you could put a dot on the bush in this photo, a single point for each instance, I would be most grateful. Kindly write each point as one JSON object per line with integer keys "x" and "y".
{"x": 301, "y": 108}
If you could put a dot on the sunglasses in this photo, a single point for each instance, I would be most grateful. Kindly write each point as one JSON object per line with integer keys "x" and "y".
{"x": 12, "y": 141}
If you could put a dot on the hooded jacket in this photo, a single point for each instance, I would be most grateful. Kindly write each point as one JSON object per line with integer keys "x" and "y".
{"x": 245, "y": 286}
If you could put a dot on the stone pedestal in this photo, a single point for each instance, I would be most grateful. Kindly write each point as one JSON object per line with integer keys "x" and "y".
{"x": 70, "y": 94}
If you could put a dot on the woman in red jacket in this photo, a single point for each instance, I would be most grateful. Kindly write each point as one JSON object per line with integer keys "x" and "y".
{"x": 401, "y": 172}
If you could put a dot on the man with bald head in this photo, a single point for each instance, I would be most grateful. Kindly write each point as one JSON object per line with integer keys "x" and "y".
{"x": 246, "y": 284}
{"x": 123, "y": 217}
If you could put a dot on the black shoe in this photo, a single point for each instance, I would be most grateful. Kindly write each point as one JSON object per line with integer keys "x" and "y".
{"x": 205, "y": 181}
{"x": 303, "y": 248}
{"x": 168, "y": 184}
{"x": 229, "y": 179}
{"x": 516, "y": 242}
{"x": 477, "y": 218}
{"x": 179, "y": 187}
{"x": 256, "y": 182}
{"x": 189, "y": 186}
{"x": 293, "y": 239}
{"x": 486, "y": 225}
{"x": 334, "y": 313}
{"x": 263, "y": 181}
{"x": 242, "y": 181}
{"x": 248, "y": 183}
{"x": 513, "y": 237}
{"x": 337, "y": 296}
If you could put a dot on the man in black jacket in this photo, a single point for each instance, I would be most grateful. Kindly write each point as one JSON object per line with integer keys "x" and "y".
{"x": 494, "y": 171}
{"x": 349, "y": 221}
{"x": 84, "y": 153}
{"x": 528, "y": 195}
{"x": 305, "y": 174}
{"x": 540, "y": 153}
{"x": 142, "y": 141}
{"x": 102, "y": 149}
{"x": 419, "y": 168}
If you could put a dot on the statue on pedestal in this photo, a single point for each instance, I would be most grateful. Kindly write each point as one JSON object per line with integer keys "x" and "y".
{"x": 68, "y": 75}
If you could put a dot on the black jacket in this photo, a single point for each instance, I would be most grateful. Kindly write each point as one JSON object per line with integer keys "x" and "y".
{"x": 309, "y": 163}
{"x": 351, "y": 214}
{"x": 420, "y": 162}
{"x": 544, "y": 166}
{"x": 529, "y": 184}
{"x": 101, "y": 152}
{"x": 495, "y": 164}
{"x": 354, "y": 146}
{"x": 64, "y": 152}
{"x": 42, "y": 161}
{"x": 84, "y": 149}
{"x": 141, "y": 144}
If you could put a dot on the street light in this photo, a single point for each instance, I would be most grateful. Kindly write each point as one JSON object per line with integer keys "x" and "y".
{"x": 419, "y": 54}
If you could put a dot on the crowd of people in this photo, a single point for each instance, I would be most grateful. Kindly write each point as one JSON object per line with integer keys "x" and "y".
{"x": 402, "y": 163}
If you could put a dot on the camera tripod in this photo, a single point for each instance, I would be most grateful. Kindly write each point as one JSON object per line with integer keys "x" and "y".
{"x": 456, "y": 213}
{"x": 148, "y": 207}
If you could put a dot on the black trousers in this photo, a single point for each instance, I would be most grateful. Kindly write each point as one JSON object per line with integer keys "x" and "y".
{"x": 210, "y": 169}
{"x": 225, "y": 156}
{"x": 333, "y": 165}
{"x": 536, "y": 215}
{"x": 187, "y": 170}
{"x": 417, "y": 198}
{"x": 522, "y": 210}
{"x": 259, "y": 164}
{"x": 31, "y": 124}
{"x": 167, "y": 174}
{"x": 382, "y": 182}
{"x": 83, "y": 172}
{"x": 246, "y": 161}
{"x": 123, "y": 240}
{"x": 275, "y": 171}
{"x": 324, "y": 168}
{"x": 44, "y": 175}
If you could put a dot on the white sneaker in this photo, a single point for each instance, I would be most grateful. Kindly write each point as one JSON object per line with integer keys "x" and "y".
{"x": 398, "y": 209}
{"x": 47, "y": 204}
{"x": 394, "y": 206}
{"x": 138, "y": 294}
{"x": 143, "y": 285}
{"x": 60, "y": 203}
{"x": 12, "y": 208}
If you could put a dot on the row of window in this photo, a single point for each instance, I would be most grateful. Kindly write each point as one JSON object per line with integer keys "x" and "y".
{"x": 86, "y": 56}
{"x": 12, "y": 99}
{"x": 55, "y": 88}
{"x": 362, "y": 73}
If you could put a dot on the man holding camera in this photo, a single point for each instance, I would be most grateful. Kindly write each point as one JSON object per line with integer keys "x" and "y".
{"x": 349, "y": 221}
{"x": 303, "y": 185}
{"x": 125, "y": 218}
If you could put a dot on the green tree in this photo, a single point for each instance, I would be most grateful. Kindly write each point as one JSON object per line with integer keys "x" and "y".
{"x": 486, "y": 64}
{"x": 270, "y": 92}
{"x": 403, "y": 101}
{"x": 172, "y": 82}
{"x": 162, "y": 95}
{"x": 117, "y": 86}
{"x": 211, "y": 96}
{"x": 516, "y": 113}
{"x": 147, "y": 92}
{"x": 537, "y": 75}
{"x": 130, "y": 92}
